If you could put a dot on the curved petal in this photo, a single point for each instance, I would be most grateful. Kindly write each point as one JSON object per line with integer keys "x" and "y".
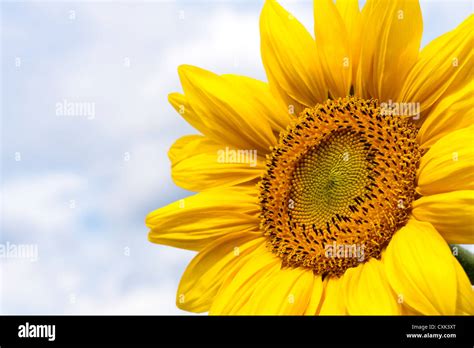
{"x": 195, "y": 221}
{"x": 465, "y": 298}
{"x": 390, "y": 48}
{"x": 230, "y": 115}
{"x": 350, "y": 14}
{"x": 444, "y": 66}
{"x": 407, "y": 310}
{"x": 451, "y": 213}
{"x": 452, "y": 113}
{"x": 287, "y": 292}
{"x": 334, "y": 47}
{"x": 420, "y": 269}
{"x": 449, "y": 164}
{"x": 290, "y": 58}
{"x": 205, "y": 274}
{"x": 240, "y": 284}
{"x": 259, "y": 92}
{"x": 333, "y": 302}
{"x": 316, "y": 296}
{"x": 199, "y": 163}
{"x": 368, "y": 292}
{"x": 181, "y": 105}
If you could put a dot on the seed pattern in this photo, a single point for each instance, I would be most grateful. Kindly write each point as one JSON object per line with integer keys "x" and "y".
{"x": 341, "y": 173}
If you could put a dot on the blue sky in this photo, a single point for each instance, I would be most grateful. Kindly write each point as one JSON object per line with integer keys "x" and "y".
{"x": 84, "y": 185}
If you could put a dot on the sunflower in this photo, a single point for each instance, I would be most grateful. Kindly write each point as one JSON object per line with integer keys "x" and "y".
{"x": 336, "y": 187}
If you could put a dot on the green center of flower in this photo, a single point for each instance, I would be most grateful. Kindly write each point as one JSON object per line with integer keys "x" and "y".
{"x": 329, "y": 177}
{"x": 338, "y": 185}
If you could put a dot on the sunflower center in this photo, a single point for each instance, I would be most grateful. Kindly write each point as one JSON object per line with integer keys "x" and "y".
{"x": 338, "y": 185}
{"x": 329, "y": 177}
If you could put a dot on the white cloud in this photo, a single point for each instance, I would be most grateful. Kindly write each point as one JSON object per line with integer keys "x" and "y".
{"x": 143, "y": 301}
{"x": 34, "y": 204}
{"x": 103, "y": 284}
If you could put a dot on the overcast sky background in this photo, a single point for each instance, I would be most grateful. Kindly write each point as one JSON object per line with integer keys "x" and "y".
{"x": 83, "y": 186}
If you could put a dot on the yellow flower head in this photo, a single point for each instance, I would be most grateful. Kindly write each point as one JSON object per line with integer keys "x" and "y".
{"x": 336, "y": 187}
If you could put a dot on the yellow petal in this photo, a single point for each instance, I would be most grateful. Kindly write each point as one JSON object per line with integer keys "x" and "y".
{"x": 444, "y": 66}
{"x": 334, "y": 47}
{"x": 451, "y": 213}
{"x": 259, "y": 93}
{"x": 465, "y": 298}
{"x": 333, "y": 302}
{"x": 199, "y": 163}
{"x": 390, "y": 41}
{"x": 368, "y": 292}
{"x": 407, "y": 310}
{"x": 287, "y": 292}
{"x": 316, "y": 296}
{"x": 240, "y": 284}
{"x": 290, "y": 58}
{"x": 230, "y": 116}
{"x": 350, "y": 14}
{"x": 195, "y": 221}
{"x": 181, "y": 105}
{"x": 453, "y": 112}
{"x": 420, "y": 269}
{"x": 205, "y": 274}
{"x": 449, "y": 164}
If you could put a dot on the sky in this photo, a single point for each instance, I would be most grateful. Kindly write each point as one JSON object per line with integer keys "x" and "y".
{"x": 77, "y": 187}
